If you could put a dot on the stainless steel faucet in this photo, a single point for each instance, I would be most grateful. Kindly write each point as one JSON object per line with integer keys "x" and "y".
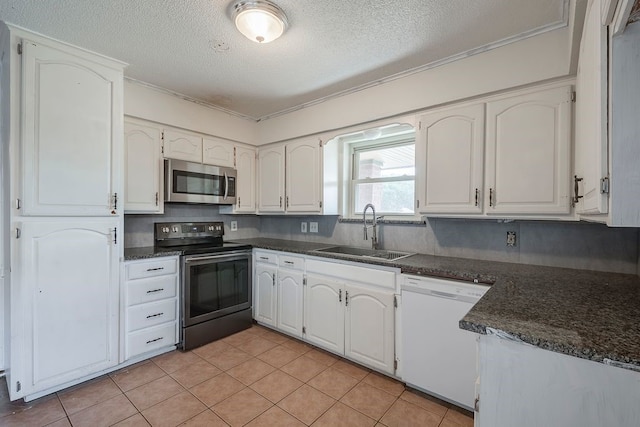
{"x": 374, "y": 238}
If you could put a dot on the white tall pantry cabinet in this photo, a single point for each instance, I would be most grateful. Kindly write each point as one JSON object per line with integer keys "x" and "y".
{"x": 62, "y": 116}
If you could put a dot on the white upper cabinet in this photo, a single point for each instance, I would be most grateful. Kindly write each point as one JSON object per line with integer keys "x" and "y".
{"x": 217, "y": 152}
{"x": 290, "y": 177}
{"x": 72, "y": 133}
{"x": 182, "y": 145}
{"x": 271, "y": 179}
{"x": 591, "y": 157}
{"x": 450, "y": 149}
{"x": 143, "y": 168}
{"x": 245, "y": 180}
{"x": 528, "y": 153}
{"x": 304, "y": 176}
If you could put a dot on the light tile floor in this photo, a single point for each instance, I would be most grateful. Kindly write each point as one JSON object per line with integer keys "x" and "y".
{"x": 256, "y": 377}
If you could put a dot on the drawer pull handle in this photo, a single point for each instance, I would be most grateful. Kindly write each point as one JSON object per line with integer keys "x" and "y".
{"x": 264, "y": 257}
{"x": 154, "y": 315}
{"x": 155, "y": 269}
{"x": 157, "y": 339}
{"x": 155, "y": 290}
{"x": 288, "y": 262}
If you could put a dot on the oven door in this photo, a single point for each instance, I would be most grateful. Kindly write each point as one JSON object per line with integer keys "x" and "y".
{"x": 215, "y": 285}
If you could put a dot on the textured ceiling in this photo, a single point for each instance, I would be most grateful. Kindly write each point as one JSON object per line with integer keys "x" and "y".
{"x": 331, "y": 46}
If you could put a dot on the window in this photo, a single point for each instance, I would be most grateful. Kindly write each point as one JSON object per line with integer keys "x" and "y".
{"x": 383, "y": 173}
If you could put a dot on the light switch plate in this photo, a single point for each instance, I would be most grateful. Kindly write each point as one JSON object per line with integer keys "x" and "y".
{"x": 313, "y": 227}
{"x": 303, "y": 227}
{"x": 511, "y": 238}
{"x": 234, "y": 225}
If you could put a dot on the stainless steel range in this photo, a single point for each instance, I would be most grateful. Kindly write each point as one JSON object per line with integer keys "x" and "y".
{"x": 216, "y": 280}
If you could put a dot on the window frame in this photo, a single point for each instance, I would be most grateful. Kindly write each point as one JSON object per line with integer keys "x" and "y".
{"x": 373, "y": 145}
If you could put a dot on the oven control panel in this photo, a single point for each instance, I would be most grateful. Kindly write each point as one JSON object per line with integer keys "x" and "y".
{"x": 182, "y": 230}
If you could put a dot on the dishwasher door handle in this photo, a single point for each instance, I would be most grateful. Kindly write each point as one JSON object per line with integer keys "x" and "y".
{"x": 443, "y": 294}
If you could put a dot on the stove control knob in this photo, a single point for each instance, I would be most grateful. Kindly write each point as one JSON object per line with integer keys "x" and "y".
{"x": 211, "y": 228}
{"x": 175, "y": 229}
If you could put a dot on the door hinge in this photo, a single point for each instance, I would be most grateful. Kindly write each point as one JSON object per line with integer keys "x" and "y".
{"x": 417, "y": 203}
{"x": 320, "y": 143}
{"x": 395, "y": 364}
{"x": 19, "y": 53}
{"x": 234, "y": 157}
{"x": 476, "y": 404}
{"x": 604, "y": 185}
{"x": 395, "y": 301}
{"x": 273, "y": 279}
{"x": 304, "y": 329}
{"x": 420, "y": 125}
{"x": 573, "y": 96}
{"x": 18, "y": 204}
{"x": 320, "y": 203}
{"x": 18, "y": 386}
{"x": 18, "y": 233}
{"x": 115, "y": 235}
{"x": 304, "y": 281}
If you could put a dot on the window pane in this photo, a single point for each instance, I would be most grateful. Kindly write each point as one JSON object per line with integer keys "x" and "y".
{"x": 387, "y": 197}
{"x": 386, "y": 162}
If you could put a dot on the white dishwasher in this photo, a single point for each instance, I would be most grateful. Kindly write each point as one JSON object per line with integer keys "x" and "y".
{"x": 439, "y": 357}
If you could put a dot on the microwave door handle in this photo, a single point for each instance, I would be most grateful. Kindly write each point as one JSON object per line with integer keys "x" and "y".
{"x": 226, "y": 186}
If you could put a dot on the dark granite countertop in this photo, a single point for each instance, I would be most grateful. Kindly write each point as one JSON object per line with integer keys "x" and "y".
{"x": 146, "y": 252}
{"x": 587, "y": 314}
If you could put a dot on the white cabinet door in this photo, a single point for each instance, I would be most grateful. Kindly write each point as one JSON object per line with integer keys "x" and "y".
{"x": 245, "y": 180}
{"x": 451, "y": 157}
{"x": 69, "y": 278}
{"x": 290, "y": 301}
{"x": 143, "y": 168}
{"x": 324, "y": 313}
{"x": 591, "y": 155}
{"x": 271, "y": 179}
{"x": 528, "y": 153}
{"x": 304, "y": 176}
{"x": 72, "y": 123}
{"x": 217, "y": 152}
{"x": 265, "y": 294}
{"x": 369, "y": 327}
{"x": 182, "y": 146}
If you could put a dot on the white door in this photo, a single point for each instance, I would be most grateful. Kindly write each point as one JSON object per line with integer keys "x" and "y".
{"x": 451, "y": 154}
{"x": 182, "y": 146}
{"x": 290, "y": 301}
{"x": 591, "y": 114}
{"x": 304, "y": 176}
{"x": 528, "y": 153}
{"x": 265, "y": 294}
{"x": 369, "y": 327}
{"x": 68, "y": 273}
{"x": 217, "y": 152}
{"x": 324, "y": 313}
{"x": 143, "y": 168}
{"x": 271, "y": 179}
{"x": 245, "y": 180}
{"x": 72, "y": 134}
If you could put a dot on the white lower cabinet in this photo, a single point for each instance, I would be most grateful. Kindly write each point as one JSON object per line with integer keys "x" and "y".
{"x": 150, "y": 305}
{"x": 69, "y": 285}
{"x": 347, "y": 309}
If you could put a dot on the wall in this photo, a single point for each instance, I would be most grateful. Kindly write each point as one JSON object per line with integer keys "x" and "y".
{"x": 546, "y": 56}
{"x": 573, "y": 245}
{"x": 138, "y": 229}
{"x": 152, "y": 104}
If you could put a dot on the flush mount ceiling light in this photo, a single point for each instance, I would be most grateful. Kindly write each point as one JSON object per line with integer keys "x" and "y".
{"x": 259, "y": 20}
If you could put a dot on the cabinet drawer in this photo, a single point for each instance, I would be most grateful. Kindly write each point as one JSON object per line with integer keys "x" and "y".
{"x": 266, "y": 257}
{"x": 146, "y": 315}
{"x": 151, "y": 289}
{"x": 151, "y": 339}
{"x": 294, "y": 262}
{"x": 158, "y": 267}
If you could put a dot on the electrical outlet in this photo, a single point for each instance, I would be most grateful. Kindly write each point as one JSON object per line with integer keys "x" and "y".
{"x": 511, "y": 238}
{"x": 234, "y": 225}
{"x": 303, "y": 227}
{"x": 313, "y": 227}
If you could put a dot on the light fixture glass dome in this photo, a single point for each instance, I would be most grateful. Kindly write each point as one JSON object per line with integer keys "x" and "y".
{"x": 260, "y": 21}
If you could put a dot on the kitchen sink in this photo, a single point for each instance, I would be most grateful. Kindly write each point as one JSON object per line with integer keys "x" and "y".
{"x": 379, "y": 254}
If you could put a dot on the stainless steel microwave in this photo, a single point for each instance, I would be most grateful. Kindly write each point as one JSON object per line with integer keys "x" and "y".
{"x": 189, "y": 182}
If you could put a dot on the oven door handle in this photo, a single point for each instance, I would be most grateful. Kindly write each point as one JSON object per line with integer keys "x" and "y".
{"x": 226, "y": 186}
{"x": 216, "y": 257}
